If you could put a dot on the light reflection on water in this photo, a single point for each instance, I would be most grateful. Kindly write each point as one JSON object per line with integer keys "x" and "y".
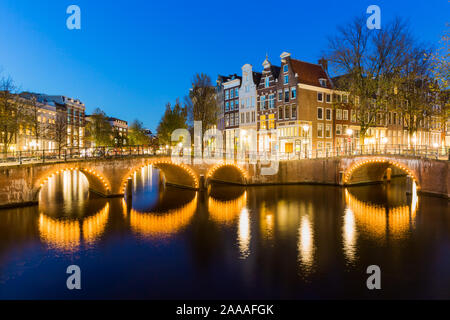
{"x": 259, "y": 242}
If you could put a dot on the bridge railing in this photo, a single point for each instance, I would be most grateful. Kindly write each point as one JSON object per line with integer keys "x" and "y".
{"x": 71, "y": 154}
{"x": 76, "y": 154}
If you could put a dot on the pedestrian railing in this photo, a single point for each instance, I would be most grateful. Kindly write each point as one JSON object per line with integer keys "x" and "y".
{"x": 77, "y": 154}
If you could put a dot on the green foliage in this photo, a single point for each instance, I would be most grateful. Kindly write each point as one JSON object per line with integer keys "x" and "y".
{"x": 99, "y": 130}
{"x": 173, "y": 118}
{"x": 137, "y": 134}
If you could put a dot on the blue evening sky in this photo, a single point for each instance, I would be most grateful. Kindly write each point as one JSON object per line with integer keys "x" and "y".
{"x": 131, "y": 57}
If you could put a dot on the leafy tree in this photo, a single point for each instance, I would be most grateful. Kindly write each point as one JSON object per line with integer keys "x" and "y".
{"x": 174, "y": 118}
{"x": 137, "y": 134}
{"x": 98, "y": 129}
{"x": 201, "y": 102}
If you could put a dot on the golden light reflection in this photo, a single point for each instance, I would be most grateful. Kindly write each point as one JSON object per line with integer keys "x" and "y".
{"x": 244, "y": 233}
{"x": 306, "y": 244}
{"x": 61, "y": 235}
{"x": 156, "y": 224}
{"x": 226, "y": 211}
{"x": 65, "y": 235}
{"x": 267, "y": 221}
{"x": 377, "y": 220}
{"x": 94, "y": 226}
{"x": 349, "y": 235}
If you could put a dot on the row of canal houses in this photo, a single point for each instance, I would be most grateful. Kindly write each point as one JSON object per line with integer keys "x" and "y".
{"x": 295, "y": 109}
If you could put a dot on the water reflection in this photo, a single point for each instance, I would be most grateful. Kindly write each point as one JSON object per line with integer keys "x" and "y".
{"x": 306, "y": 244}
{"x": 65, "y": 235}
{"x": 155, "y": 224}
{"x": 244, "y": 234}
{"x": 232, "y": 242}
{"x": 65, "y": 213}
{"x": 379, "y": 221}
{"x": 65, "y": 194}
{"x": 226, "y": 211}
{"x": 349, "y": 235}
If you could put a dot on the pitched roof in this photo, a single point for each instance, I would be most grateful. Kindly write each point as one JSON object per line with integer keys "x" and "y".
{"x": 310, "y": 73}
{"x": 256, "y": 77}
{"x": 275, "y": 71}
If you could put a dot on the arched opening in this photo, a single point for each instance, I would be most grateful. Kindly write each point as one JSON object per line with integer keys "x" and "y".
{"x": 177, "y": 175}
{"x": 227, "y": 173}
{"x": 375, "y": 171}
{"x": 72, "y": 181}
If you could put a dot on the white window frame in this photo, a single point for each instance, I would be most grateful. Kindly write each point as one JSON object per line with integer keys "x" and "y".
{"x": 345, "y": 114}
{"x": 318, "y": 113}
{"x": 320, "y": 125}
{"x": 321, "y": 93}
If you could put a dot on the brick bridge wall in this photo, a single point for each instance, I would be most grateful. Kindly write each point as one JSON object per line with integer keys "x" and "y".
{"x": 21, "y": 184}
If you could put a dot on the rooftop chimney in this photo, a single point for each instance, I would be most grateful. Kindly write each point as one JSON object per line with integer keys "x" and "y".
{"x": 324, "y": 63}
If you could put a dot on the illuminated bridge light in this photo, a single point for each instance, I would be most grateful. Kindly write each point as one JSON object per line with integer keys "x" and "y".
{"x": 353, "y": 167}
{"x": 222, "y": 164}
{"x": 155, "y": 163}
{"x": 103, "y": 181}
{"x": 157, "y": 224}
{"x": 226, "y": 211}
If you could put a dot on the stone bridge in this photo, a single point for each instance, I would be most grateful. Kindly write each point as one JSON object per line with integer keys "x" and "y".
{"x": 21, "y": 184}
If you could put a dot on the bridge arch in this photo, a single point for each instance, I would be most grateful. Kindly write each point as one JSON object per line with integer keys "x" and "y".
{"x": 227, "y": 173}
{"x": 373, "y": 169}
{"x": 176, "y": 174}
{"x": 97, "y": 182}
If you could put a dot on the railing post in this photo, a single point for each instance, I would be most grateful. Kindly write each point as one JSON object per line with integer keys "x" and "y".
{"x": 20, "y": 157}
{"x": 43, "y": 155}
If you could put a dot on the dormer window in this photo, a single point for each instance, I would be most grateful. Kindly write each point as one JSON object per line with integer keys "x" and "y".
{"x": 285, "y": 68}
{"x": 323, "y": 82}
{"x": 286, "y": 79}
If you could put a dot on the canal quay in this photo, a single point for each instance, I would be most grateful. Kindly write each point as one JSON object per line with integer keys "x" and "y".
{"x": 141, "y": 226}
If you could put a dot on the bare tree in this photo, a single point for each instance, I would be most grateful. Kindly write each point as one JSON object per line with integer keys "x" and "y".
{"x": 11, "y": 114}
{"x": 201, "y": 102}
{"x": 369, "y": 62}
{"x": 59, "y": 133}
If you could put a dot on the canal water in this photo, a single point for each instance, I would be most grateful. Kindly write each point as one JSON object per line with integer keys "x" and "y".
{"x": 277, "y": 242}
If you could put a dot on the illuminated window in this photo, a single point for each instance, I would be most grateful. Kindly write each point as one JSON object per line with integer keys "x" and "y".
{"x": 345, "y": 115}
{"x": 320, "y": 130}
{"x": 328, "y": 115}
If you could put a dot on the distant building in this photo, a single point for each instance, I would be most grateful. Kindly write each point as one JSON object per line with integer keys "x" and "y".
{"x": 75, "y": 121}
{"x": 248, "y": 96}
{"x": 42, "y": 117}
{"x": 120, "y": 131}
